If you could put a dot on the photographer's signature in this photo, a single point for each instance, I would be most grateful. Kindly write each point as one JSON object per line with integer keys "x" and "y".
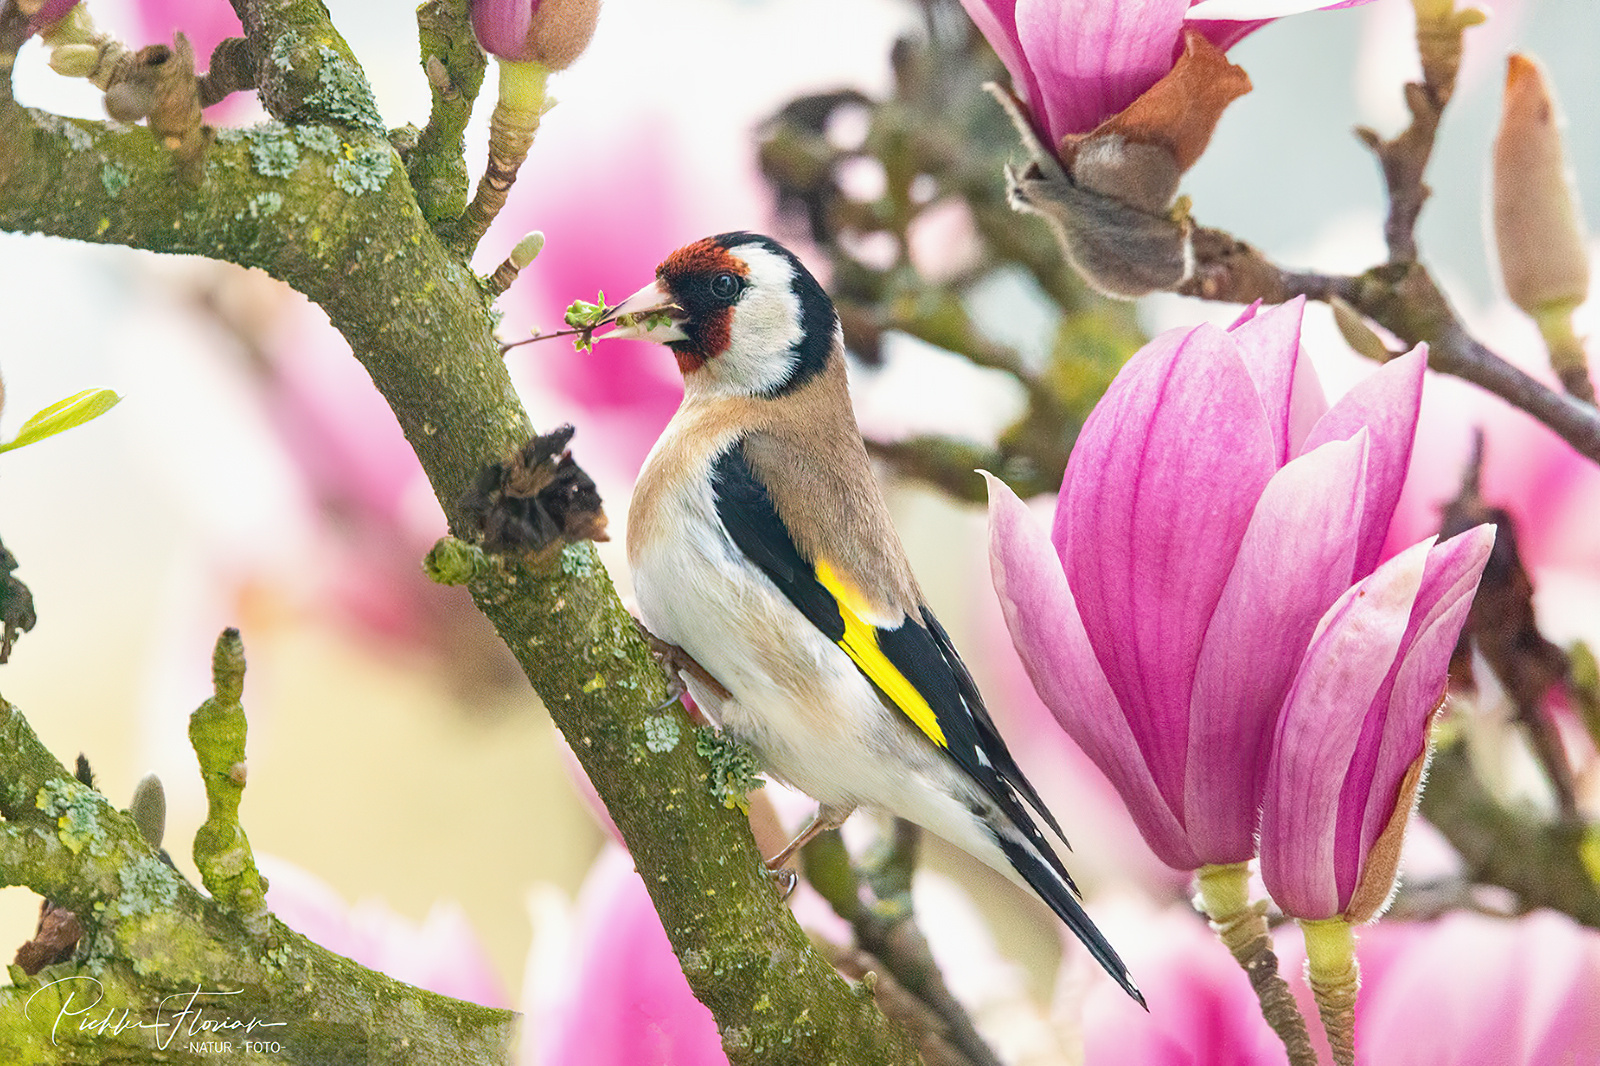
{"x": 177, "y": 1015}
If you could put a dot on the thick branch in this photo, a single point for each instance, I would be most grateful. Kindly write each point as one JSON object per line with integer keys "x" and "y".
{"x": 1404, "y": 299}
{"x": 330, "y": 212}
{"x": 152, "y": 935}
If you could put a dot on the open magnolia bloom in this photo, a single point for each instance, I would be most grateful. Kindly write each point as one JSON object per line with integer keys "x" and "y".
{"x": 1076, "y": 63}
{"x": 1218, "y": 530}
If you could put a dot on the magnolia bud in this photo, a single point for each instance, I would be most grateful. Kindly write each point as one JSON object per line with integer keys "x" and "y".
{"x": 1537, "y": 227}
{"x": 527, "y": 249}
{"x": 550, "y": 32}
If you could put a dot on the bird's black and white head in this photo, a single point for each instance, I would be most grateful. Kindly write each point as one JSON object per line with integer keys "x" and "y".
{"x": 740, "y": 312}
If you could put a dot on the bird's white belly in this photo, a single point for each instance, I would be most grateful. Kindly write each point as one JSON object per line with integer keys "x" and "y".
{"x": 794, "y": 696}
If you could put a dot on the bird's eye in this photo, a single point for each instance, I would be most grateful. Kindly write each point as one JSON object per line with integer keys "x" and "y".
{"x": 724, "y": 286}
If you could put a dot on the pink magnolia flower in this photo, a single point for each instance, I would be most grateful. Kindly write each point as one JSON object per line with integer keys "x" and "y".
{"x": 1352, "y": 740}
{"x": 1076, "y": 63}
{"x": 1212, "y": 511}
{"x": 1466, "y": 990}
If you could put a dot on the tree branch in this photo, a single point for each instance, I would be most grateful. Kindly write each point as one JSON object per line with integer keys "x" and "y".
{"x": 156, "y": 945}
{"x": 1539, "y": 859}
{"x": 325, "y": 208}
{"x": 455, "y": 66}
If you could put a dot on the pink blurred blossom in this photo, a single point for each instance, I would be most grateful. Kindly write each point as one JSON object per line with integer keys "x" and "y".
{"x": 1486, "y": 992}
{"x": 616, "y": 996}
{"x": 442, "y": 954}
{"x": 1466, "y": 990}
{"x": 620, "y": 394}
{"x": 204, "y": 22}
{"x": 1202, "y": 1010}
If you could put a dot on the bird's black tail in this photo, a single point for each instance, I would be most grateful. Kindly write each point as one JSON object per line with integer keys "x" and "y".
{"x": 1049, "y": 879}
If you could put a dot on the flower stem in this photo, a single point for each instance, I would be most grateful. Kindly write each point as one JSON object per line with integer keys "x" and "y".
{"x": 1224, "y": 895}
{"x": 1335, "y": 976}
{"x": 511, "y": 131}
{"x": 1566, "y": 349}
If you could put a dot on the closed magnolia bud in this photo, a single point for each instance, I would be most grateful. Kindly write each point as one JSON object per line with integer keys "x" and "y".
{"x": 550, "y": 32}
{"x": 1537, "y": 226}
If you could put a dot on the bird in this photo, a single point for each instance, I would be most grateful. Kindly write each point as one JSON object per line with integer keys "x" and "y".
{"x": 763, "y": 556}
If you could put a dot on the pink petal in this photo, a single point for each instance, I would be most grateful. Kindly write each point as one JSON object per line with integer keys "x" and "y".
{"x": 1092, "y": 59}
{"x": 1049, "y": 637}
{"x": 502, "y": 26}
{"x": 1293, "y": 564}
{"x": 1449, "y": 582}
{"x": 1349, "y": 659}
{"x": 997, "y": 21}
{"x": 1269, "y": 344}
{"x": 628, "y": 1001}
{"x": 1387, "y": 401}
{"x": 1159, "y": 491}
{"x": 1225, "y": 33}
{"x": 1307, "y": 403}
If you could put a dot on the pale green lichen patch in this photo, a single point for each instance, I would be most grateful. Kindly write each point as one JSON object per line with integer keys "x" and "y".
{"x": 343, "y": 95}
{"x": 283, "y": 51}
{"x": 577, "y": 560}
{"x": 272, "y": 151}
{"x": 147, "y": 885}
{"x": 76, "y": 809}
{"x": 660, "y": 734}
{"x": 733, "y": 768}
{"x": 264, "y": 205}
{"x": 364, "y": 169}
{"x": 114, "y": 179}
{"x": 75, "y": 135}
{"x": 324, "y": 140}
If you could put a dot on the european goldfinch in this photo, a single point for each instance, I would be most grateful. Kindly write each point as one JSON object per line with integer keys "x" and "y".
{"x": 762, "y": 549}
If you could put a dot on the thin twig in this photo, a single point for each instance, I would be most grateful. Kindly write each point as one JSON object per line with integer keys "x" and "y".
{"x": 894, "y": 939}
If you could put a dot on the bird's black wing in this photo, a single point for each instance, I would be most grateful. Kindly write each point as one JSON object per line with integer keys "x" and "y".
{"x": 914, "y": 666}
{"x": 916, "y": 670}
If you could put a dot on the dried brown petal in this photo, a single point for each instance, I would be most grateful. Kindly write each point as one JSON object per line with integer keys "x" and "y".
{"x": 537, "y": 501}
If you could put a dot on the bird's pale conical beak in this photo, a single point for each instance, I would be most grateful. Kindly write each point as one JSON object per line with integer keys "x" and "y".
{"x": 648, "y": 315}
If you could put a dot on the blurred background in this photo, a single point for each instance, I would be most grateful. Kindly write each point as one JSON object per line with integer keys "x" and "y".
{"x": 252, "y": 477}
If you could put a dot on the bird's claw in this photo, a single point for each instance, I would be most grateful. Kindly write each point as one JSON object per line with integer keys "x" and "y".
{"x": 784, "y": 879}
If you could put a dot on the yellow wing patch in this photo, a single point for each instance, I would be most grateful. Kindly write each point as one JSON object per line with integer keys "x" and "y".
{"x": 860, "y": 642}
